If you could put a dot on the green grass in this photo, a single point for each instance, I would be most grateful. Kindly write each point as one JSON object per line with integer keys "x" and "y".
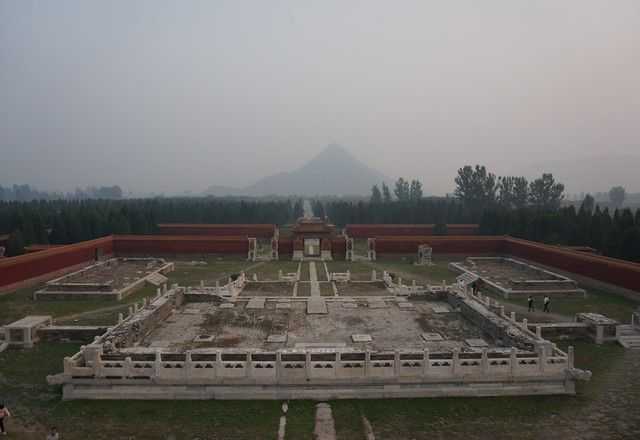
{"x": 215, "y": 269}
{"x": 269, "y": 270}
{"x": 19, "y": 304}
{"x": 597, "y": 301}
{"x": 434, "y": 274}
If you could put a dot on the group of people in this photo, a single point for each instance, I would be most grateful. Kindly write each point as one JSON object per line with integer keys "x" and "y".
{"x": 545, "y": 304}
{"x": 5, "y": 414}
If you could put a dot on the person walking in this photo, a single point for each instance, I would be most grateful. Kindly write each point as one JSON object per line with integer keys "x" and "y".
{"x": 4, "y": 414}
{"x": 532, "y": 307}
{"x": 547, "y": 300}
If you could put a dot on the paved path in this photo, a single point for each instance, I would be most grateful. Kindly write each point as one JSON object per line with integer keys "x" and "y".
{"x": 325, "y": 427}
{"x": 313, "y": 277}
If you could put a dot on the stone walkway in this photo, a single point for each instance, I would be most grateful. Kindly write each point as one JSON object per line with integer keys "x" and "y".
{"x": 325, "y": 427}
{"x": 313, "y": 277}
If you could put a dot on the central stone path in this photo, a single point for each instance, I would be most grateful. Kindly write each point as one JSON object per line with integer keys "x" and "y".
{"x": 313, "y": 277}
{"x": 316, "y": 303}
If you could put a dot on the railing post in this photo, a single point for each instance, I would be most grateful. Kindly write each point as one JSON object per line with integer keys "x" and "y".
{"x": 396, "y": 363}
{"x": 570, "y": 356}
{"x": 307, "y": 364}
{"x": 455, "y": 359}
{"x": 367, "y": 361}
{"x": 426, "y": 364}
{"x": 542, "y": 358}
{"x": 278, "y": 365}
{"x": 513, "y": 360}
{"x": 485, "y": 362}
{"x": 219, "y": 367}
{"x": 157, "y": 364}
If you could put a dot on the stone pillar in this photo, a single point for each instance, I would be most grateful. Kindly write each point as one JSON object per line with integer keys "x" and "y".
{"x": 599, "y": 334}
{"x": 484, "y": 362}
{"x": 307, "y": 364}
{"x": 426, "y": 363}
{"x": 413, "y": 283}
{"x": 278, "y": 366}
{"x": 188, "y": 365}
{"x": 502, "y": 313}
{"x": 157, "y": 364}
{"x": 542, "y": 358}
{"x": 525, "y": 324}
{"x": 219, "y": 367}
{"x": 279, "y": 274}
{"x": 513, "y": 360}
{"x": 248, "y": 364}
{"x": 255, "y": 277}
{"x": 367, "y": 361}
{"x": 538, "y": 332}
{"x": 396, "y": 363}
{"x": 373, "y": 275}
{"x": 135, "y": 307}
{"x": 158, "y": 292}
{"x": 120, "y": 318}
{"x": 201, "y": 283}
{"x": 128, "y": 367}
{"x": 513, "y": 316}
{"x": 455, "y": 358}
{"x": 399, "y": 281}
{"x": 348, "y": 275}
{"x": 570, "y": 357}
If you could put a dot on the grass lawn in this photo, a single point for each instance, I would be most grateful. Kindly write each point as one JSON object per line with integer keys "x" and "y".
{"x": 597, "y": 301}
{"x": 433, "y": 274}
{"x": 187, "y": 275}
{"x": 269, "y": 270}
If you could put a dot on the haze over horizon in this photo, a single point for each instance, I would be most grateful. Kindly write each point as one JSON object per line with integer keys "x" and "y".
{"x": 170, "y": 97}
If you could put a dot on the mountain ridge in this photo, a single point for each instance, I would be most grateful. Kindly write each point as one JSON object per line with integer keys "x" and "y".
{"x": 333, "y": 171}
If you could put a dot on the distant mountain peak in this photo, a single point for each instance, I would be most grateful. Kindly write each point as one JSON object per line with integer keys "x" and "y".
{"x": 333, "y": 171}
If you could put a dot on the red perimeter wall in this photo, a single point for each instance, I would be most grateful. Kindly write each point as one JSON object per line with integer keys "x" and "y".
{"x": 38, "y": 264}
{"x": 248, "y": 230}
{"x": 440, "y": 244}
{"x": 23, "y": 267}
{"x": 610, "y": 270}
{"x": 179, "y": 244}
{"x": 387, "y": 230}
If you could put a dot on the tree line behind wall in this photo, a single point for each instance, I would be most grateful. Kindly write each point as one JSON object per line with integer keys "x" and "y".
{"x": 64, "y": 221}
{"x": 505, "y": 205}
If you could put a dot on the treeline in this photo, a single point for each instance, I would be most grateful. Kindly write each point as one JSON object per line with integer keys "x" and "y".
{"x": 64, "y": 221}
{"x": 502, "y": 205}
{"x": 426, "y": 210}
{"x": 25, "y": 193}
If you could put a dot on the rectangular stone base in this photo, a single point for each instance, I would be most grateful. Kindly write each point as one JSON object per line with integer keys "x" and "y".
{"x": 316, "y": 392}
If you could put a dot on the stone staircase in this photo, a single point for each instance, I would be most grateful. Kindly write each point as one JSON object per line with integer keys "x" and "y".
{"x": 629, "y": 337}
{"x": 466, "y": 279}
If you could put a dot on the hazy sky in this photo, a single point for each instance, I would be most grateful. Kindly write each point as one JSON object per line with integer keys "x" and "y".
{"x": 179, "y": 95}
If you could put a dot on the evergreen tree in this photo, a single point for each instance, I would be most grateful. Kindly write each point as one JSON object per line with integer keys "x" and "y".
{"x": 402, "y": 190}
{"x": 376, "y": 195}
{"x": 545, "y": 193}
{"x": 386, "y": 193}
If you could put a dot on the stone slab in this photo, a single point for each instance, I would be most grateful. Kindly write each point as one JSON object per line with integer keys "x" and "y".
{"x": 227, "y": 306}
{"x": 405, "y": 305}
{"x": 256, "y": 303}
{"x": 476, "y": 343}
{"x": 283, "y": 306}
{"x": 157, "y": 279}
{"x": 361, "y": 338}
{"x": 377, "y": 304}
{"x": 316, "y": 306}
{"x": 432, "y": 337}
{"x": 276, "y": 339}
{"x": 204, "y": 338}
{"x": 440, "y": 308}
